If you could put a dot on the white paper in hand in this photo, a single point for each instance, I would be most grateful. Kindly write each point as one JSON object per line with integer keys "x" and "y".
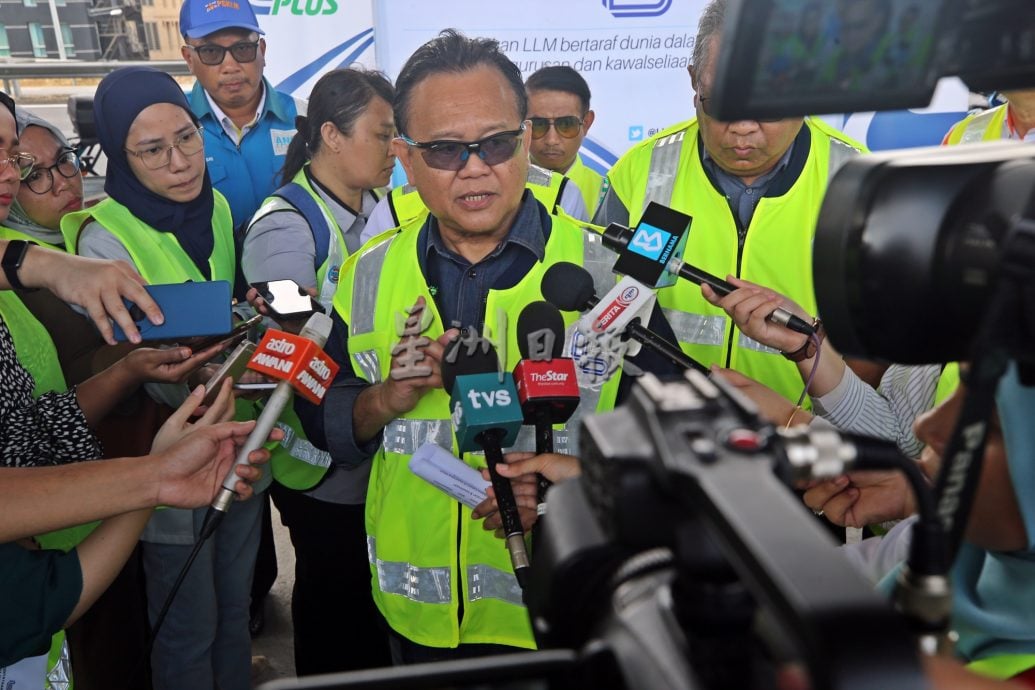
{"x": 449, "y": 473}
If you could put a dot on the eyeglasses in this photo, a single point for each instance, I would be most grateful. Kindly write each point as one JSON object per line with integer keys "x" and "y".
{"x": 160, "y": 155}
{"x": 22, "y": 161}
{"x": 41, "y": 180}
{"x": 446, "y": 154}
{"x": 212, "y": 54}
{"x": 568, "y": 126}
{"x": 707, "y": 111}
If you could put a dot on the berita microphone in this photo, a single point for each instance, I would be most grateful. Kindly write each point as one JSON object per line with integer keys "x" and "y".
{"x": 299, "y": 364}
{"x": 486, "y": 417}
{"x": 569, "y": 287}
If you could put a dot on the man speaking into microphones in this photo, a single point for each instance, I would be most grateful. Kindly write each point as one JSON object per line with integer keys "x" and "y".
{"x": 445, "y": 586}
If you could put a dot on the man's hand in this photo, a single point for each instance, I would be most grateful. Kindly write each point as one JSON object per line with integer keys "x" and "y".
{"x": 862, "y": 498}
{"x": 97, "y": 285}
{"x": 750, "y": 305}
{"x": 554, "y": 466}
{"x": 400, "y": 395}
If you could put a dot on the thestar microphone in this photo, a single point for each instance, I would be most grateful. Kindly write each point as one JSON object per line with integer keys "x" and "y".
{"x": 299, "y": 364}
{"x": 486, "y": 416}
{"x": 652, "y": 253}
{"x": 547, "y": 387}
{"x": 569, "y": 287}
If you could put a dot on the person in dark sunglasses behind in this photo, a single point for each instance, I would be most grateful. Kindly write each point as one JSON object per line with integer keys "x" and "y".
{"x": 558, "y": 108}
{"x": 247, "y": 123}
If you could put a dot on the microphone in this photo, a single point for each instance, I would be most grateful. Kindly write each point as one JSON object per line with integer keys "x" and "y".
{"x": 652, "y": 253}
{"x": 547, "y": 387}
{"x": 299, "y": 364}
{"x": 569, "y": 287}
{"x": 486, "y": 416}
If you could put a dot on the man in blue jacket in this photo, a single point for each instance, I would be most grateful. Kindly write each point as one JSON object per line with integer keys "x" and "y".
{"x": 248, "y": 124}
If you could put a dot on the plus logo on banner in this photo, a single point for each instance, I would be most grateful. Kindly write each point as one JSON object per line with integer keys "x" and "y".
{"x": 637, "y": 8}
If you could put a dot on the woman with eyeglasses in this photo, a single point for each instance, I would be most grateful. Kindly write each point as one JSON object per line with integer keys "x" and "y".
{"x": 163, "y": 216}
{"x": 333, "y": 172}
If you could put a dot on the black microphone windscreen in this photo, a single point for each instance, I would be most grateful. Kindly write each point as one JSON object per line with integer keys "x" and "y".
{"x": 463, "y": 357}
{"x": 568, "y": 286}
{"x": 535, "y": 317}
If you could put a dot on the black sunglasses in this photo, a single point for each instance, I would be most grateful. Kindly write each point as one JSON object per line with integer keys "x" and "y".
{"x": 707, "y": 111}
{"x": 446, "y": 154}
{"x": 212, "y": 54}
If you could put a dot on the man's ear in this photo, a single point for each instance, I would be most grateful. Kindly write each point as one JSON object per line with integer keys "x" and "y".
{"x": 188, "y": 56}
{"x": 587, "y": 120}
{"x": 402, "y": 153}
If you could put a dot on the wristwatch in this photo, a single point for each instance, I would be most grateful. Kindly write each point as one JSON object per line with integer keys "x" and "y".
{"x": 14, "y": 256}
{"x": 808, "y": 349}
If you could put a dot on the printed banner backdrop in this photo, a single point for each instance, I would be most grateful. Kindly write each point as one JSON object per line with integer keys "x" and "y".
{"x": 633, "y": 53}
{"x": 305, "y": 38}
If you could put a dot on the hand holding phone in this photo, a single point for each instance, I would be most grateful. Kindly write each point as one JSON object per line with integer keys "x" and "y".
{"x": 234, "y": 367}
{"x": 286, "y": 300}
{"x": 191, "y": 309}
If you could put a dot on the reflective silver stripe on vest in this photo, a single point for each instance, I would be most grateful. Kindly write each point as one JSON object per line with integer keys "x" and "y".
{"x": 364, "y": 287}
{"x": 60, "y": 676}
{"x": 301, "y": 449}
{"x": 598, "y": 260}
{"x": 424, "y": 585}
{"x": 697, "y": 329}
{"x": 840, "y": 153}
{"x": 525, "y": 440}
{"x": 978, "y": 125}
{"x": 539, "y": 176}
{"x": 370, "y": 364}
{"x": 486, "y": 582}
{"x": 664, "y": 163}
{"x": 747, "y": 343}
{"x": 404, "y": 436}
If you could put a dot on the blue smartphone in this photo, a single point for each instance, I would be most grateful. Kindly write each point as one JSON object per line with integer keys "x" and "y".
{"x": 190, "y": 310}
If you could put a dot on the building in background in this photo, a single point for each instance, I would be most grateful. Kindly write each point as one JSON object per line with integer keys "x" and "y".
{"x": 27, "y": 30}
{"x": 162, "y": 28}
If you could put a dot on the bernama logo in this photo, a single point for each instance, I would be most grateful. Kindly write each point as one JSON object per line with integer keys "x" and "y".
{"x": 637, "y": 8}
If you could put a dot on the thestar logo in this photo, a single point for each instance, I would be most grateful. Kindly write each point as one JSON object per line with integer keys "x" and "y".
{"x": 499, "y": 398}
{"x": 612, "y": 311}
{"x": 550, "y": 377}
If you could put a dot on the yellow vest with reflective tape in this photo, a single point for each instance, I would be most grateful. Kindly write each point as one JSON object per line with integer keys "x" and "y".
{"x": 588, "y": 181}
{"x": 426, "y": 552}
{"x": 407, "y": 207}
{"x": 777, "y": 249}
{"x": 984, "y": 126}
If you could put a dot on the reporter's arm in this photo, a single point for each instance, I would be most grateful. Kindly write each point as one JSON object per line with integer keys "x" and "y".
{"x": 97, "y": 286}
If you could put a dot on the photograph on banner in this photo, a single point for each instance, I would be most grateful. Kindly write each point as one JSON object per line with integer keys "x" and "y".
{"x": 306, "y": 38}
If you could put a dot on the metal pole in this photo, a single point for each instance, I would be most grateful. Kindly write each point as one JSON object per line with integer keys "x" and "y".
{"x": 57, "y": 29}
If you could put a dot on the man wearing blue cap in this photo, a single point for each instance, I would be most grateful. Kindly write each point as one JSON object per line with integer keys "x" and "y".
{"x": 247, "y": 123}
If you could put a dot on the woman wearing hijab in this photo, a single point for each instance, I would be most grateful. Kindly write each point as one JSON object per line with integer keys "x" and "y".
{"x": 163, "y": 216}
{"x": 53, "y": 187}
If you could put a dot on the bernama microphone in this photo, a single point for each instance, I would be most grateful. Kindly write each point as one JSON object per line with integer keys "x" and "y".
{"x": 569, "y": 287}
{"x": 487, "y": 417}
{"x": 652, "y": 253}
{"x": 300, "y": 365}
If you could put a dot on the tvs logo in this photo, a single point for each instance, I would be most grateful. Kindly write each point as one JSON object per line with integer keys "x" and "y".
{"x": 637, "y": 8}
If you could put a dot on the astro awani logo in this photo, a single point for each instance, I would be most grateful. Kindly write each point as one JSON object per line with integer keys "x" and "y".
{"x": 637, "y": 8}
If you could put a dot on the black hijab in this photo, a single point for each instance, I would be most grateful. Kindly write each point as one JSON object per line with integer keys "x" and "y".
{"x": 120, "y": 97}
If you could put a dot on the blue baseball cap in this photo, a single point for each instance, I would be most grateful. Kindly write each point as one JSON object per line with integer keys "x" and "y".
{"x": 199, "y": 18}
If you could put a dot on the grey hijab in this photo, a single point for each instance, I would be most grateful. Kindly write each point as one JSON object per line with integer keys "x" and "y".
{"x": 18, "y": 219}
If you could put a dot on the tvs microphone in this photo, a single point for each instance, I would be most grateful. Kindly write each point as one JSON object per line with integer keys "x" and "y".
{"x": 569, "y": 287}
{"x": 299, "y": 363}
{"x": 486, "y": 416}
{"x": 652, "y": 253}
